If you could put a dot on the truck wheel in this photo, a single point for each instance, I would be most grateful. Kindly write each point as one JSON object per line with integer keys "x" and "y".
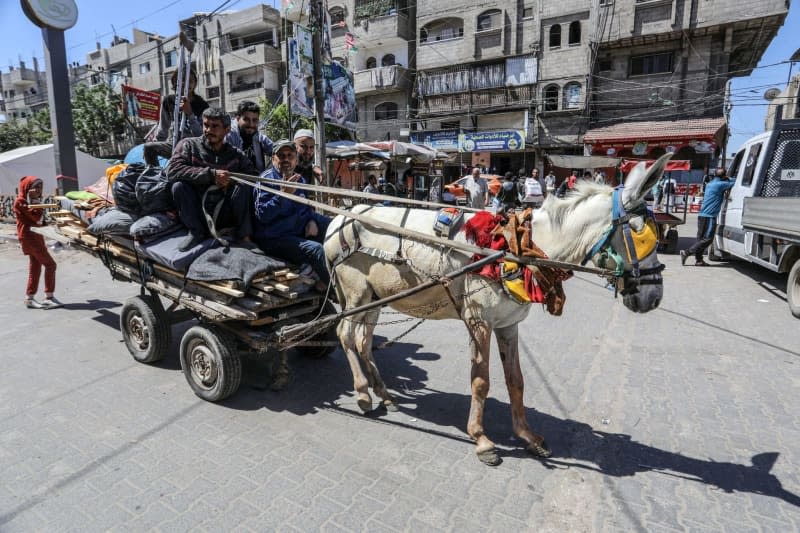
{"x": 793, "y": 289}
{"x": 327, "y": 335}
{"x": 144, "y": 328}
{"x": 672, "y": 242}
{"x": 210, "y": 362}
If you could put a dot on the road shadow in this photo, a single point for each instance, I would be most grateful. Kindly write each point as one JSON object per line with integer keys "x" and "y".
{"x": 319, "y": 382}
{"x": 576, "y": 444}
{"x": 91, "y": 305}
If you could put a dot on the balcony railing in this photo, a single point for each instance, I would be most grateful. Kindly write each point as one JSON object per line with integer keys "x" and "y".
{"x": 484, "y": 99}
{"x": 382, "y": 79}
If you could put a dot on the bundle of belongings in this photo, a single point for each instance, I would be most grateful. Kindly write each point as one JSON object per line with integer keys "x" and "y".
{"x": 522, "y": 283}
{"x": 132, "y": 207}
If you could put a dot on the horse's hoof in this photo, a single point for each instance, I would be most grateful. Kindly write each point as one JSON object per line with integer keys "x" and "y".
{"x": 365, "y": 404}
{"x": 539, "y": 450}
{"x": 280, "y": 381}
{"x": 391, "y": 406}
{"x": 489, "y": 457}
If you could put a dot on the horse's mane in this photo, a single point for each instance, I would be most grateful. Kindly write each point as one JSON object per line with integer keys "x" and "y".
{"x": 575, "y": 229}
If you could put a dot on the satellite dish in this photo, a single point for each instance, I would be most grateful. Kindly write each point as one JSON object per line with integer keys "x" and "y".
{"x": 771, "y": 94}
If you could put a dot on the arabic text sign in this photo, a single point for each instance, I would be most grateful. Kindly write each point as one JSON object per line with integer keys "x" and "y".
{"x": 142, "y": 104}
{"x": 492, "y": 141}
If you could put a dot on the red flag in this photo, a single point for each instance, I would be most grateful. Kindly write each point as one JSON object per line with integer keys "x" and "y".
{"x": 349, "y": 40}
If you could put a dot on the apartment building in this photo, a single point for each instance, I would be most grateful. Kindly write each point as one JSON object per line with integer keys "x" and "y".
{"x": 660, "y": 70}
{"x": 24, "y": 91}
{"x": 375, "y": 39}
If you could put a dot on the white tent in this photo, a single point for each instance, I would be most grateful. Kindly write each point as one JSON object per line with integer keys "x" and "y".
{"x": 40, "y": 161}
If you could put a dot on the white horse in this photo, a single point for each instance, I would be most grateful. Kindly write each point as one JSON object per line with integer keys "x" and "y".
{"x": 574, "y": 230}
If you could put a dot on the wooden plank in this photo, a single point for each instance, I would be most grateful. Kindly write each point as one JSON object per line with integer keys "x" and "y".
{"x": 43, "y": 206}
{"x": 283, "y": 315}
{"x": 230, "y": 312}
{"x": 281, "y": 272}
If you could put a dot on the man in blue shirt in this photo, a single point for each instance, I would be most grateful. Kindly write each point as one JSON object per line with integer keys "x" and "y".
{"x": 707, "y": 218}
{"x": 287, "y": 229}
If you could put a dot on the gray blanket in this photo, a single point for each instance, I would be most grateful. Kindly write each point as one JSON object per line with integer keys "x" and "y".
{"x": 231, "y": 263}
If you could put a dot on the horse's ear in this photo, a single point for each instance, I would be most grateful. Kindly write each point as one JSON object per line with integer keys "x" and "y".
{"x": 641, "y": 179}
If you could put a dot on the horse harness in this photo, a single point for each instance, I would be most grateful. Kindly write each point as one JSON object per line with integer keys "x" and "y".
{"x": 637, "y": 244}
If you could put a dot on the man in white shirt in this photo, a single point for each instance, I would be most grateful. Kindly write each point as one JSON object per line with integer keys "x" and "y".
{"x": 533, "y": 195}
{"x": 477, "y": 189}
{"x": 550, "y": 182}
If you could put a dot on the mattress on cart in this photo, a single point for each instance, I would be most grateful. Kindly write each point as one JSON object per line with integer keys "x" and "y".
{"x": 164, "y": 250}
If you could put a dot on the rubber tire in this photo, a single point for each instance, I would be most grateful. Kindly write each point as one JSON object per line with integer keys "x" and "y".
{"x": 151, "y": 343}
{"x": 328, "y": 334}
{"x": 793, "y": 289}
{"x": 212, "y": 345}
{"x": 672, "y": 242}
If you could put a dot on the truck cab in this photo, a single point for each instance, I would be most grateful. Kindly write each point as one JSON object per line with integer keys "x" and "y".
{"x": 760, "y": 219}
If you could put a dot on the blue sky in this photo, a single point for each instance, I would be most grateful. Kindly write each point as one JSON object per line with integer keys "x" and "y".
{"x": 19, "y": 38}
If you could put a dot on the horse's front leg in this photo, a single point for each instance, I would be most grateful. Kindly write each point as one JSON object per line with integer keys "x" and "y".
{"x": 508, "y": 346}
{"x": 480, "y": 344}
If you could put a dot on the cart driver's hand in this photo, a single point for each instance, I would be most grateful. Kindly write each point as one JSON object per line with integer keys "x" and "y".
{"x": 186, "y": 106}
{"x": 222, "y": 178}
{"x": 292, "y": 179}
{"x": 312, "y": 230}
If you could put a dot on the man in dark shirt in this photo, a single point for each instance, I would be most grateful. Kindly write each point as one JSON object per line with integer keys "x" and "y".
{"x": 245, "y": 136}
{"x": 305, "y": 144}
{"x": 199, "y": 171}
{"x": 191, "y": 109}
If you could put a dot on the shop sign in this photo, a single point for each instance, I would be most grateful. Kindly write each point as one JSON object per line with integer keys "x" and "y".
{"x": 642, "y": 148}
{"x": 492, "y": 141}
{"x": 445, "y": 140}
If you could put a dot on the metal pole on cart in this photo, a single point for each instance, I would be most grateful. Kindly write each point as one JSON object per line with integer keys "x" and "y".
{"x": 182, "y": 87}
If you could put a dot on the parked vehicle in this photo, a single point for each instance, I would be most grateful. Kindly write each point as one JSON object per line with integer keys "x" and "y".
{"x": 760, "y": 220}
{"x": 457, "y": 187}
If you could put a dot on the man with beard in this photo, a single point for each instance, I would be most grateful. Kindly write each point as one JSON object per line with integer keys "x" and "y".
{"x": 305, "y": 144}
{"x": 199, "y": 171}
{"x": 245, "y": 136}
{"x": 287, "y": 229}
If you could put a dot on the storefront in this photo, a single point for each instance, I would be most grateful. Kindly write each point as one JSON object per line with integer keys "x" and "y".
{"x": 698, "y": 141}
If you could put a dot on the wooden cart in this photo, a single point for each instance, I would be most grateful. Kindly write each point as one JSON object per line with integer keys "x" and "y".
{"x": 231, "y": 323}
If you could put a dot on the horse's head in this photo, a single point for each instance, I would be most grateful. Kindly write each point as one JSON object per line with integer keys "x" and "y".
{"x": 624, "y": 239}
{"x": 630, "y": 247}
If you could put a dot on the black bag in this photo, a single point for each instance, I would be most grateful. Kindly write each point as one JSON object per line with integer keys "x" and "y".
{"x": 153, "y": 192}
{"x": 124, "y": 189}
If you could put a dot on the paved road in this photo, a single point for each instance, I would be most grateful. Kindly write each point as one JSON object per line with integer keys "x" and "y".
{"x": 682, "y": 419}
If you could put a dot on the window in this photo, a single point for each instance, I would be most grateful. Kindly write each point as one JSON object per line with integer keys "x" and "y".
{"x": 555, "y": 36}
{"x": 605, "y": 64}
{"x": 212, "y": 92}
{"x": 527, "y": 12}
{"x": 604, "y": 3}
{"x": 572, "y": 96}
{"x": 386, "y": 111}
{"x": 750, "y": 164}
{"x": 550, "y": 98}
{"x": 442, "y": 30}
{"x": 489, "y": 20}
{"x": 171, "y": 59}
{"x": 337, "y": 16}
{"x": 575, "y": 32}
{"x": 372, "y": 62}
{"x": 651, "y": 64}
{"x": 387, "y": 60}
{"x": 144, "y": 68}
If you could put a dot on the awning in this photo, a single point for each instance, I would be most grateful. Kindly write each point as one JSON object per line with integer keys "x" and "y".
{"x": 628, "y": 164}
{"x": 702, "y": 129}
{"x": 582, "y": 161}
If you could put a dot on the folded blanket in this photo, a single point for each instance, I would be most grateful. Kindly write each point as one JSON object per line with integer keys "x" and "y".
{"x": 232, "y": 263}
{"x": 165, "y": 250}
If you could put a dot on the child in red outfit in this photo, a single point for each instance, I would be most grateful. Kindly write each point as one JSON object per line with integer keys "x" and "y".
{"x": 30, "y": 192}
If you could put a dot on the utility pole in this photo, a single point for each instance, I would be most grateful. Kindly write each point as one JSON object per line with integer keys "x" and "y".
{"x": 53, "y": 23}
{"x": 317, "y": 26}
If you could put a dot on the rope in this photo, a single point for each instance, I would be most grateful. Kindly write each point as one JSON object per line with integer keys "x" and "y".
{"x": 397, "y": 230}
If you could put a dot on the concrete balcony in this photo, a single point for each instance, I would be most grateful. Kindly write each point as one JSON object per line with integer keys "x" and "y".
{"x": 20, "y": 77}
{"x": 382, "y": 80}
{"x": 250, "y": 21}
{"x": 246, "y": 57}
{"x": 119, "y": 54}
{"x": 385, "y": 28}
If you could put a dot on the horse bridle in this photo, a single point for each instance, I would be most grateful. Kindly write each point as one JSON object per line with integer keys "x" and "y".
{"x": 626, "y": 266}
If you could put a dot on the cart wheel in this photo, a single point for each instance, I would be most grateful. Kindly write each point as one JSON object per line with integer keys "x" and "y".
{"x": 793, "y": 289}
{"x": 328, "y": 334}
{"x": 144, "y": 328}
{"x": 672, "y": 241}
{"x": 210, "y": 362}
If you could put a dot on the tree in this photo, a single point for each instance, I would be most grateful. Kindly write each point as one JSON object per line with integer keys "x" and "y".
{"x": 278, "y": 124}
{"x": 96, "y": 116}
{"x": 35, "y": 131}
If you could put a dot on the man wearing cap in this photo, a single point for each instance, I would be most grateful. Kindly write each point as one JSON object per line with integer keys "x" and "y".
{"x": 287, "y": 229}
{"x": 200, "y": 173}
{"x": 245, "y": 136}
{"x": 304, "y": 143}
